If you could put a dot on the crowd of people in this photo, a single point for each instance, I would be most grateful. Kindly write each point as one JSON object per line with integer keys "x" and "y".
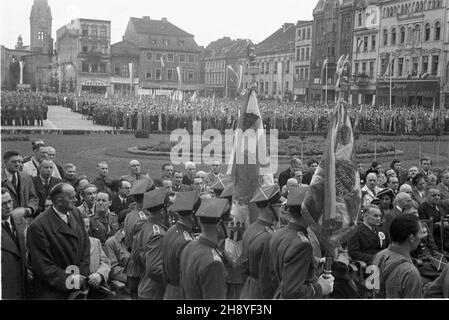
{"x": 178, "y": 235}
{"x": 162, "y": 113}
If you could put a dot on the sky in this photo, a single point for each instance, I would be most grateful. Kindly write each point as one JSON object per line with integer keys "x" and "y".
{"x": 207, "y": 20}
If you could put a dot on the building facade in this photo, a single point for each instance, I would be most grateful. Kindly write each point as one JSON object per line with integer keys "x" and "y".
{"x": 413, "y": 52}
{"x": 333, "y": 22}
{"x": 124, "y": 60}
{"x": 222, "y": 61}
{"x": 169, "y": 58}
{"x": 38, "y": 57}
{"x": 274, "y": 58}
{"x": 363, "y": 79}
{"x": 83, "y": 55}
{"x": 301, "y": 63}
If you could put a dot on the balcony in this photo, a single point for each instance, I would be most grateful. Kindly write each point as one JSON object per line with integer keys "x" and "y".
{"x": 360, "y": 79}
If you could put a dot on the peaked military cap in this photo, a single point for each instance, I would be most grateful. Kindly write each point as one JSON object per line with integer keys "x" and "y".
{"x": 220, "y": 184}
{"x": 155, "y": 199}
{"x": 141, "y": 186}
{"x": 185, "y": 202}
{"x": 267, "y": 195}
{"x": 212, "y": 208}
{"x": 296, "y": 196}
{"x": 228, "y": 191}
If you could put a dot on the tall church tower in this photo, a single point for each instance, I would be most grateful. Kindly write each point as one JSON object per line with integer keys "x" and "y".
{"x": 40, "y": 26}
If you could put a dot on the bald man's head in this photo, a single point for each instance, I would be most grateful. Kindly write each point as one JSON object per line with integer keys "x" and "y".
{"x": 402, "y": 199}
{"x": 134, "y": 166}
{"x": 406, "y": 188}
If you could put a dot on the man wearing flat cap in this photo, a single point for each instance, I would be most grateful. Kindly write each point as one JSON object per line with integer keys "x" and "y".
{"x": 148, "y": 248}
{"x": 175, "y": 240}
{"x": 134, "y": 270}
{"x": 256, "y": 245}
{"x": 202, "y": 272}
{"x": 293, "y": 265}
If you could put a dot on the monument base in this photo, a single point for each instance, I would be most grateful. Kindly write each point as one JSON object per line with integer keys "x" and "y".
{"x": 24, "y": 87}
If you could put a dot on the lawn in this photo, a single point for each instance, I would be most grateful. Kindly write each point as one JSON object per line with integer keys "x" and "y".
{"x": 87, "y": 150}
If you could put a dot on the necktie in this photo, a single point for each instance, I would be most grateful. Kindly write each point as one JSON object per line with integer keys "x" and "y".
{"x": 14, "y": 181}
{"x": 9, "y": 230}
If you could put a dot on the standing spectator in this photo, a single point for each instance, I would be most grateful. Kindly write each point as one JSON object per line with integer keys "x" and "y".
{"x": 178, "y": 186}
{"x": 167, "y": 174}
{"x": 122, "y": 199}
{"x": 102, "y": 181}
{"x": 103, "y": 224}
{"x": 288, "y": 173}
{"x": 399, "y": 278}
{"x": 19, "y": 185}
{"x": 69, "y": 174}
{"x": 426, "y": 164}
{"x": 190, "y": 173}
{"x": 44, "y": 182}
{"x": 135, "y": 173}
{"x": 214, "y": 174}
{"x": 14, "y": 272}
{"x": 419, "y": 188}
{"x": 89, "y": 194}
{"x": 370, "y": 190}
{"x": 57, "y": 243}
{"x": 393, "y": 184}
{"x": 32, "y": 167}
{"x": 51, "y": 153}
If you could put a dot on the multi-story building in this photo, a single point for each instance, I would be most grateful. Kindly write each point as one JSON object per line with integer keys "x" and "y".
{"x": 445, "y": 75}
{"x": 222, "y": 61}
{"x": 301, "y": 63}
{"x": 274, "y": 57}
{"x": 124, "y": 59}
{"x": 412, "y": 52}
{"x": 365, "y": 52}
{"x": 37, "y": 58}
{"x": 164, "y": 51}
{"x": 83, "y": 55}
{"x": 333, "y": 22}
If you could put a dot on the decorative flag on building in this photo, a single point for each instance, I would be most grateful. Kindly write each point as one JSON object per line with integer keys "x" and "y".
{"x": 332, "y": 204}
{"x": 162, "y": 62}
{"x": 240, "y": 76}
{"x": 249, "y": 163}
{"x": 178, "y": 70}
{"x": 322, "y": 69}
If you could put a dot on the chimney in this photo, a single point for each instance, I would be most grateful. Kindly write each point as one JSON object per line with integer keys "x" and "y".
{"x": 164, "y": 19}
{"x": 146, "y": 18}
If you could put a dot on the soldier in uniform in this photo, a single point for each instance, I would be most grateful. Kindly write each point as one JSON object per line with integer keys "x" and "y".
{"x": 103, "y": 224}
{"x": 256, "y": 245}
{"x": 149, "y": 246}
{"x": 293, "y": 266}
{"x": 202, "y": 272}
{"x": 132, "y": 227}
{"x": 176, "y": 238}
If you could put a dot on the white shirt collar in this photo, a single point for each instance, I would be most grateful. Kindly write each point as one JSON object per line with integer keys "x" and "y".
{"x": 63, "y": 216}
{"x": 9, "y": 175}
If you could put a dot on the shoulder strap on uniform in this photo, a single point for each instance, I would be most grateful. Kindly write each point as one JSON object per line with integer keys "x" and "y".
{"x": 387, "y": 272}
{"x": 156, "y": 229}
{"x": 187, "y": 236}
{"x": 302, "y": 237}
{"x": 215, "y": 255}
{"x": 142, "y": 215}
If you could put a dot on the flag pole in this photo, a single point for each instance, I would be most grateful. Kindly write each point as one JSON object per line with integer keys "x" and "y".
{"x": 326, "y": 84}
{"x": 391, "y": 62}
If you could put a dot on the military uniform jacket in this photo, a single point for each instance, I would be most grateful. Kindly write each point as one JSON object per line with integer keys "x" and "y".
{"x": 255, "y": 258}
{"x": 132, "y": 228}
{"x": 202, "y": 271}
{"x": 365, "y": 243}
{"x": 118, "y": 255}
{"x": 149, "y": 246}
{"x": 293, "y": 265}
{"x": 175, "y": 240}
{"x": 103, "y": 228}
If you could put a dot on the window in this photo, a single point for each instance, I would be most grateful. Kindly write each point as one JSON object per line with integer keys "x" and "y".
{"x": 435, "y": 65}
{"x": 402, "y": 35}
{"x": 85, "y": 32}
{"x": 373, "y": 42}
{"x": 182, "y": 57}
{"x": 40, "y": 36}
{"x": 356, "y": 68}
{"x": 417, "y": 34}
{"x": 298, "y": 34}
{"x": 393, "y": 36}
{"x": 385, "y": 37}
{"x": 125, "y": 70}
{"x": 274, "y": 87}
{"x": 400, "y": 66}
{"x": 149, "y": 56}
{"x": 191, "y": 76}
{"x": 169, "y": 74}
{"x": 275, "y": 67}
{"x": 166, "y": 42}
{"x": 267, "y": 68}
{"x": 437, "y": 31}
{"x": 102, "y": 68}
{"x": 266, "y": 87}
{"x": 425, "y": 64}
{"x": 84, "y": 49}
{"x": 303, "y": 36}
{"x": 117, "y": 69}
{"x": 297, "y": 73}
{"x": 157, "y": 56}
{"x": 302, "y": 54}
{"x": 181, "y": 43}
{"x": 365, "y": 44}
{"x": 262, "y": 65}
{"x": 191, "y": 58}
{"x": 383, "y": 64}
{"x": 148, "y": 73}
{"x": 392, "y": 67}
{"x": 158, "y": 74}
{"x": 427, "y": 32}
{"x": 170, "y": 57}
{"x": 298, "y": 51}
{"x": 307, "y": 53}
{"x": 103, "y": 32}
{"x": 94, "y": 67}
{"x": 85, "y": 66}
{"x": 415, "y": 62}
{"x": 306, "y": 73}
{"x": 371, "y": 69}
{"x": 301, "y": 73}
{"x": 308, "y": 33}
{"x": 93, "y": 31}
{"x": 363, "y": 67}
{"x": 359, "y": 23}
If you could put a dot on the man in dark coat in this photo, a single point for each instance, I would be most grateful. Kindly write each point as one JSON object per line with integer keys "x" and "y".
{"x": 44, "y": 182}
{"x": 178, "y": 185}
{"x": 59, "y": 247}
{"x": 122, "y": 199}
{"x": 19, "y": 185}
{"x": 14, "y": 274}
{"x": 295, "y": 164}
{"x": 256, "y": 245}
{"x": 293, "y": 265}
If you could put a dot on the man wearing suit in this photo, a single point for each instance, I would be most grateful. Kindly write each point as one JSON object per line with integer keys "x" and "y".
{"x": 135, "y": 173}
{"x": 19, "y": 185}
{"x": 44, "y": 182}
{"x": 59, "y": 247}
{"x": 295, "y": 164}
{"x": 178, "y": 185}
{"x": 190, "y": 173}
{"x": 58, "y": 172}
{"x": 32, "y": 167}
{"x": 214, "y": 175}
{"x": 14, "y": 275}
{"x": 122, "y": 200}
